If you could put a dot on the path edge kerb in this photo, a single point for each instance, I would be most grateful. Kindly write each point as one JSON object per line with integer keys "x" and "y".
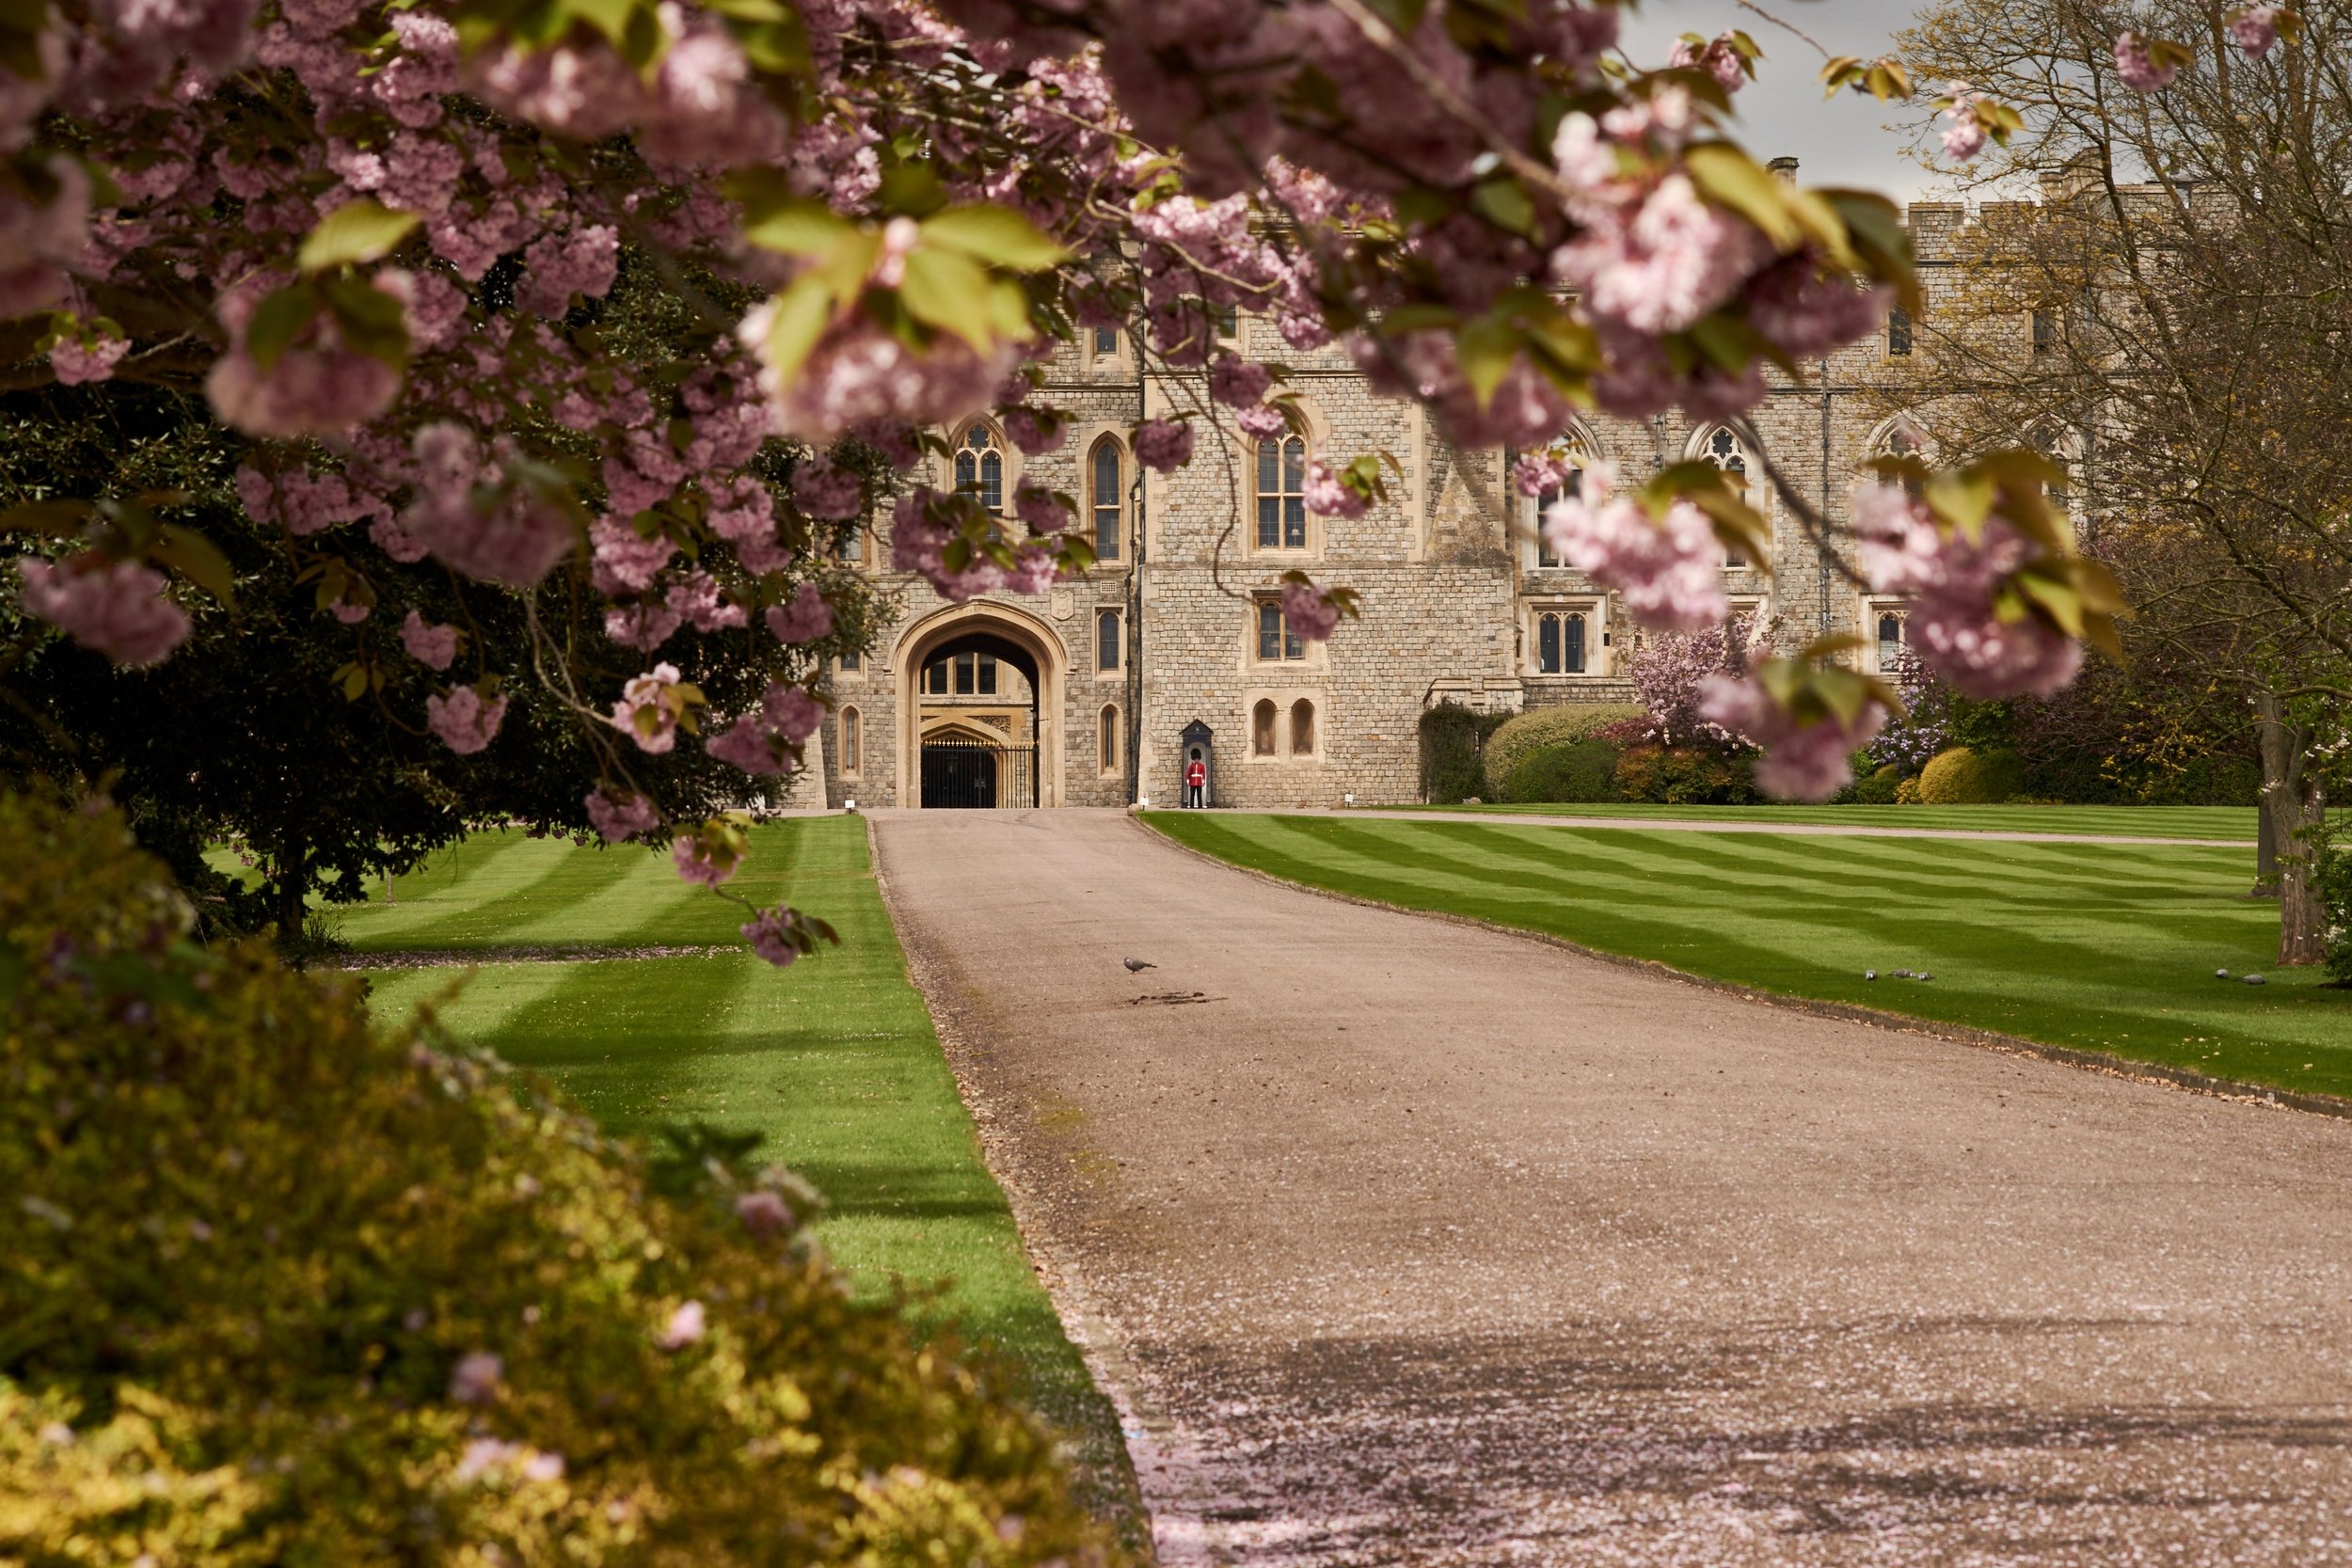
{"x": 1083, "y": 1322}
{"x": 2234, "y": 1089}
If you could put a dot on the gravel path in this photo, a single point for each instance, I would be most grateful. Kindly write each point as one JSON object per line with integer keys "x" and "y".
{"x": 1406, "y": 1243}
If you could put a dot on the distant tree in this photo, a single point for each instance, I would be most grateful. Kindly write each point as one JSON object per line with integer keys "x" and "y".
{"x": 280, "y": 729}
{"x": 2169, "y": 323}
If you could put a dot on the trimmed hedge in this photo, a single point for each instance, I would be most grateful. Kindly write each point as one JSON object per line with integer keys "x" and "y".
{"x": 1962, "y": 777}
{"x": 1452, "y": 742}
{"x": 284, "y": 1286}
{"x": 1580, "y": 771}
{"x": 1878, "y": 789}
{"x": 1523, "y": 733}
{"x": 1677, "y": 777}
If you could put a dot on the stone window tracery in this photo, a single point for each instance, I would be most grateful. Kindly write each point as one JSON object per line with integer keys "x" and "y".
{"x": 1282, "y": 494}
{"x": 981, "y": 468}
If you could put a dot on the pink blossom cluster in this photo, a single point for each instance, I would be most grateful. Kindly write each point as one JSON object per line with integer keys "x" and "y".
{"x": 1326, "y": 496}
{"x": 77, "y": 361}
{"x": 803, "y": 618}
{"x": 1164, "y": 445}
{"x": 618, "y": 817}
{"x": 823, "y": 489}
{"x": 768, "y": 740}
{"x": 304, "y": 501}
{"x": 1963, "y": 134}
{"x": 432, "y": 647}
{"x": 1719, "y": 57}
{"x": 118, "y": 609}
{"x": 1541, "y": 473}
{"x": 648, "y": 712}
{"x": 472, "y": 516}
{"x": 1668, "y": 570}
{"x": 1808, "y": 761}
{"x": 685, "y": 1326}
{"x": 1042, "y": 510}
{"x": 1524, "y": 410}
{"x": 317, "y": 386}
{"x": 776, "y": 935}
{"x": 2135, "y": 69}
{"x": 466, "y": 720}
{"x": 483, "y": 1456}
{"x": 1953, "y": 581}
{"x": 1308, "y": 614}
{"x": 695, "y": 864}
{"x": 2255, "y": 30}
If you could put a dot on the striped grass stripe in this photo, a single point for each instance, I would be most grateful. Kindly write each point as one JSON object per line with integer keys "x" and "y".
{"x": 834, "y": 1061}
{"x": 2099, "y": 947}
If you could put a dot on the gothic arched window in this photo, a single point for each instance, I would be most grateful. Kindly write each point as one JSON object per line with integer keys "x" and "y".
{"x": 1107, "y": 740}
{"x": 1890, "y": 641}
{"x": 1560, "y": 642}
{"x": 1302, "y": 728}
{"x": 1282, "y": 494}
{"x": 1106, "y": 640}
{"x": 1730, "y": 453}
{"x": 981, "y": 468}
{"x": 852, "y": 740}
{"x": 1106, "y": 498}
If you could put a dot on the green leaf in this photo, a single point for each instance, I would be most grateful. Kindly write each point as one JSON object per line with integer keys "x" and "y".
{"x": 803, "y": 311}
{"x": 278, "y": 321}
{"x": 371, "y": 321}
{"x": 1736, "y": 183}
{"x": 948, "y": 292}
{"x": 998, "y": 235}
{"x": 1486, "y": 348}
{"x": 796, "y": 228}
{"x": 1964, "y": 500}
{"x": 198, "y": 560}
{"x": 1505, "y": 203}
{"x": 60, "y": 520}
{"x": 361, "y": 230}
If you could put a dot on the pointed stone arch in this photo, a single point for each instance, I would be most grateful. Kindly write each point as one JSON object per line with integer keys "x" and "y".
{"x": 1013, "y": 636}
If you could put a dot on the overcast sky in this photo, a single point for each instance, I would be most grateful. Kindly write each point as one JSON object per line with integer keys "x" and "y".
{"x": 1842, "y": 142}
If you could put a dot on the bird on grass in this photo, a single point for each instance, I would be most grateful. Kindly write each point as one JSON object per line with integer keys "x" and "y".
{"x": 1137, "y": 966}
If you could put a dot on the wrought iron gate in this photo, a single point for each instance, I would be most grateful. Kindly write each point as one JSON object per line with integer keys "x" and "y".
{"x": 963, "y": 775}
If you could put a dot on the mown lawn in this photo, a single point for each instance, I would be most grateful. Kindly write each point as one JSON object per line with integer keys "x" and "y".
{"x": 2234, "y": 823}
{"x": 2107, "y": 947}
{"x": 833, "y": 1061}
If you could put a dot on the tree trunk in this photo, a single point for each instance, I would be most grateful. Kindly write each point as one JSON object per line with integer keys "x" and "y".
{"x": 2291, "y": 808}
{"x": 290, "y": 887}
{"x": 2266, "y": 853}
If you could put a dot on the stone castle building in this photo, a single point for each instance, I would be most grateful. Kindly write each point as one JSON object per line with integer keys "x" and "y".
{"x": 1090, "y": 694}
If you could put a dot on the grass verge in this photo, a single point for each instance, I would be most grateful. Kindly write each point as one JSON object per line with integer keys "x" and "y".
{"x": 2098, "y": 947}
{"x": 2234, "y": 823}
{"x": 833, "y": 1061}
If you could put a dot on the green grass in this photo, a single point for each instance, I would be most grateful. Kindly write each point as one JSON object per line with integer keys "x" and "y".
{"x": 833, "y": 1061}
{"x": 2100, "y": 947}
{"x": 2217, "y": 822}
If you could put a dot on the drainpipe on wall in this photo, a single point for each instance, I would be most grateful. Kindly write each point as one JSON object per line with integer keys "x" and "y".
{"x": 1132, "y": 737}
{"x": 1821, "y": 548}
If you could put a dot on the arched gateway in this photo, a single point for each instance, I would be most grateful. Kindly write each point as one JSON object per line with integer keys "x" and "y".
{"x": 980, "y": 692}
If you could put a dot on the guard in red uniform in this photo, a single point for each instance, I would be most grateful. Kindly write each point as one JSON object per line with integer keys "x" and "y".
{"x": 1196, "y": 784}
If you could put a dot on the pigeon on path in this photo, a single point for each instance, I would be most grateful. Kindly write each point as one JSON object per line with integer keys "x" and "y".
{"x": 1137, "y": 966}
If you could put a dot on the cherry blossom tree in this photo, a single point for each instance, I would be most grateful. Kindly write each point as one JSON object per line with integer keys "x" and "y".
{"x": 377, "y": 238}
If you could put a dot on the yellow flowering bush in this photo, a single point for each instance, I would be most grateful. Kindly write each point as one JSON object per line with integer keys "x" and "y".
{"x": 283, "y": 1285}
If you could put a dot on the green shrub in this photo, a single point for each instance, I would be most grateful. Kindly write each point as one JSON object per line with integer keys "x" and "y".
{"x": 1962, "y": 777}
{"x": 1579, "y": 771}
{"x": 2332, "y": 876}
{"x": 1523, "y": 733}
{"x": 1677, "y": 777}
{"x": 1452, "y": 739}
{"x": 1878, "y": 789}
{"x": 1907, "y": 793}
{"x": 282, "y": 1286}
